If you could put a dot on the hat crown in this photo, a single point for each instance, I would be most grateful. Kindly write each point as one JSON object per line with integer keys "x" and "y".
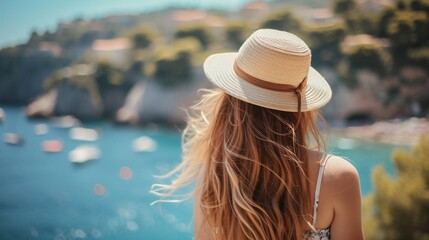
{"x": 275, "y": 56}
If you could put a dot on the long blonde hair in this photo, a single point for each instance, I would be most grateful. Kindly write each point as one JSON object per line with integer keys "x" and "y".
{"x": 254, "y": 165}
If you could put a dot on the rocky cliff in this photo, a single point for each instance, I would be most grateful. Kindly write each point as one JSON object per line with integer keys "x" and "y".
{"x": 147, "y": 101}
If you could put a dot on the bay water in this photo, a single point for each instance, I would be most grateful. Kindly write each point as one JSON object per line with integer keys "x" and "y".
{"x": 45, "y": 196}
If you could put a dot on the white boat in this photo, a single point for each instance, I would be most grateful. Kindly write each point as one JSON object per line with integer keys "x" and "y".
{"x": 144, "y": 144}
{"x": 65, "y": 121}
{"x": 84, "y": 153}
{"x": 83, "y": 134}
{"x": 347, "y": 143}
{"x": 41, "y": 129}
{"x": 1, "y": 115}
{"x": 13, "y": 138}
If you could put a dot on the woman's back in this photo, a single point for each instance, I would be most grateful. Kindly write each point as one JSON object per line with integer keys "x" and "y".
{"x": 338, "y": 208}
{"x": 249, "y": 145}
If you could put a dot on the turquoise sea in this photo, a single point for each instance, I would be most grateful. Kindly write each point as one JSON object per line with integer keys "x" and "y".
{"x": 45, "y": 196}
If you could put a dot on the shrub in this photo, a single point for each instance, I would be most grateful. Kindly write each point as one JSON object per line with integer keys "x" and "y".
{"x": 198, "y": 32}
{"x": 283, "y": 20}
{"x": 370, "y": 57}
{"x": 173, "y": 63}
{"x": 344, "y": 6}
{"x": 143, "y": 37}
{"x": 235, "y": 33}
{"x": 324, "y": 41}
{"x": 399, "y": 207}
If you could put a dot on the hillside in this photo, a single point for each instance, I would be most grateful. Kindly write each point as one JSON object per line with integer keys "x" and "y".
{"x": 105, "y": 64}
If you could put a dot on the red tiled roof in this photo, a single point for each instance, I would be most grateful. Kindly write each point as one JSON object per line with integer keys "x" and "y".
{"x": 188, "y": 15}
{"x": 256, "y": 5}
{"x": 111, "y": 44}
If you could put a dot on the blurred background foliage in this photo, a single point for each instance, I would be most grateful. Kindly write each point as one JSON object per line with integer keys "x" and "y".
{"x": 399, "y": 206}
{"x": 201, "y": 33}
{"x": 143, "y": 37}
{"x": 353, "y": 38}
{"x": 404, "y": 25}
{"x": 283, "y": 20}
{"x": 236, "y": 33}
{"x": 324, "y": 40}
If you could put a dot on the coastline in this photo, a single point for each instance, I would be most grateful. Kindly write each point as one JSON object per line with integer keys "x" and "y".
{"x": 395, "y": 132}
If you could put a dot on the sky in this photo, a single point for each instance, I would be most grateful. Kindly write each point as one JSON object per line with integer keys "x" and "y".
{"x": 18, "y": 18}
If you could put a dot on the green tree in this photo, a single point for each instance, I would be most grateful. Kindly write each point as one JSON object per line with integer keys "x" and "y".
{"x": 171, "y": 72}
{"x": 283, "y": 20}
{"x": 107, "y": 75}
{"x": 143, "y": 37}
{"x": 344, "y": 6}
{"x": 383, "y": 21}
{"x": 236, "y": 33}
{"x": 370, "y": 57}
{"x": 363, "y": 57}
{"x": 54, "y": 80}
{"x": 34, "y": 39}
{"x": 420, "y": 5}
{"x": 48, "y": 36}
{"x": 137, "y": 68}
{"x": 88, "y": 37}
{"x": 419, "y": 57}
{"x": 173, "y": 63}
{"x": 401, "y": 5}
{"x": 9, "y": 61}
{"x": 407, "y": 28}
{"x": 358, "y": 22}
{"x": 324, "y": 41}
{"x": 199, "y": 32}
{"x": 399, "y": 207}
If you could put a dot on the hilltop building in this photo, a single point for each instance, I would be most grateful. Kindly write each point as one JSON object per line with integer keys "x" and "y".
{"x": 117, "y": 51}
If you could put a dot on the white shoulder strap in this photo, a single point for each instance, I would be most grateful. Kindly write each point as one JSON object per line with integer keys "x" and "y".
{"x": 317, "y": 193}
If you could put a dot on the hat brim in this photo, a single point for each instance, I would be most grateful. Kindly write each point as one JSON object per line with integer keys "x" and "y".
{"x": 219, "y": 70}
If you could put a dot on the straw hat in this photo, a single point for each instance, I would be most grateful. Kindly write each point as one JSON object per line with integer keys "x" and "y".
{"x": 271, "y": 69}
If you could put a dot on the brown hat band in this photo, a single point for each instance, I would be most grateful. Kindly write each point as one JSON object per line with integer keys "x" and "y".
{"x": 273, "y": 86}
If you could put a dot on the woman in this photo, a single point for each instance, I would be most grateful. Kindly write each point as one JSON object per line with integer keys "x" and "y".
{"x": 256, "y": 154}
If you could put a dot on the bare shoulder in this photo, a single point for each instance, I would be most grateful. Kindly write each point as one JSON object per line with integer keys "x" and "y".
{"x": 338, "y": 168}
{"x": 342, "y": 183}
{"x": 340, "y": 175}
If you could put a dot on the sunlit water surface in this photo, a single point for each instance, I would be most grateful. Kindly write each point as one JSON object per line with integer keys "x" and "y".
{"x": 45, "y": 196}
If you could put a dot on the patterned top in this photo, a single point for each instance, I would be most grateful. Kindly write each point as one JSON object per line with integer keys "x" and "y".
{"x": 325, "y": 233}
{"x": 319, "y": 234}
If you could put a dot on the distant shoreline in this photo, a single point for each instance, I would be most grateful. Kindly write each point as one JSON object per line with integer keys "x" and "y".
{"x": 23, "y": 30}
{"x": 406, "y": 132}
{"x": 395, "y": 132}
